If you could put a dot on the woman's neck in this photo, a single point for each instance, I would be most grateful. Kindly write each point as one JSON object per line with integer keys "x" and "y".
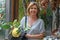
{"x": 33, "y": 18}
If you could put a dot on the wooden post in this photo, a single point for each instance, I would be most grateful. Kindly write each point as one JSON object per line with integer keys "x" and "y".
{"x": 14, "y": 9}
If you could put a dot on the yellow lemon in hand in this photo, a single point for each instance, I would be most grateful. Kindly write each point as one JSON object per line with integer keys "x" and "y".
{"x": 14, "y": 32}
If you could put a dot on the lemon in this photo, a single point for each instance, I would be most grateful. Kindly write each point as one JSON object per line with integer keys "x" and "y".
{"x": 14, "y": 32}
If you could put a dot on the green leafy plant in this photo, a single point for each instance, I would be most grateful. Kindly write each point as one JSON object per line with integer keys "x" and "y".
{"x": 45, "y": 13}
{"x": 8, "y": 25}
{"x": 5, "y": 26}
{"x": 14, "y": 26}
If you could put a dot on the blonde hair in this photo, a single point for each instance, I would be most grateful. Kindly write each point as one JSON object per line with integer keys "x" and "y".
{"x": 31, "y": 4}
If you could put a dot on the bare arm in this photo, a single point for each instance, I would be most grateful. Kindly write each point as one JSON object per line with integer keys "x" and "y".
{"x": 37, "y": 36}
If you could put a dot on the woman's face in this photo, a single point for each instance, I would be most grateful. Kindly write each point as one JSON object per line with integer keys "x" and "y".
{"x": 33, "y": 10}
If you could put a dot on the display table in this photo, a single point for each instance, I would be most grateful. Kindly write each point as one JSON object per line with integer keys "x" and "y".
{"x": 51, "y": 38}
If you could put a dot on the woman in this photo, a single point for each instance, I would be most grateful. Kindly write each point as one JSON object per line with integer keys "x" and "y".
{"x": 34, "y": 25}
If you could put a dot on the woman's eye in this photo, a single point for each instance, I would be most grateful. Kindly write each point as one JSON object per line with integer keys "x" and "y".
{"x": 33, "y": 8}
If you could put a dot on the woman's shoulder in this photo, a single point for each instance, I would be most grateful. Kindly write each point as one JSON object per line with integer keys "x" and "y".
{"x": 23, "y": 18}
{"x": 40, "y": 20}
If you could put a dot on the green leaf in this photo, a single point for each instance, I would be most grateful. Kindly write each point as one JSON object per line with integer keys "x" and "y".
{"x": 5, "y": 26}
{"x": 16, "y": 23}
{"x": 10, "y": 23}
